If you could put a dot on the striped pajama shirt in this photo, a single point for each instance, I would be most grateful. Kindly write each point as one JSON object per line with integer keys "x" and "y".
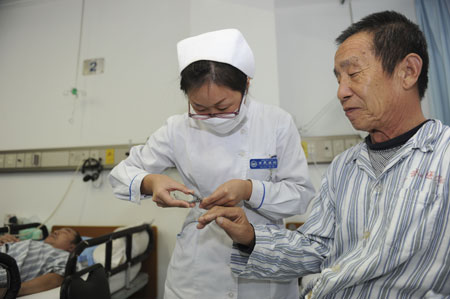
{"x": 369, "y": 236}
{"x": 35, "y": 258}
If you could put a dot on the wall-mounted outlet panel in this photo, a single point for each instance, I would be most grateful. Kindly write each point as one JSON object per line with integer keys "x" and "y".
{"x": 61, "y": 158}
{"x": 323, "y": 149}
{"x": 10, "y": 160}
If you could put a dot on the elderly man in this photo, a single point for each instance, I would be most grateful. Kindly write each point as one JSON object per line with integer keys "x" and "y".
{"x": 380, "y": 225}
{"x": 41, "y": 264}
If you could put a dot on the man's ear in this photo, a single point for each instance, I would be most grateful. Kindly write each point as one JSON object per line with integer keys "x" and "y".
{"x": 409, "y": 71}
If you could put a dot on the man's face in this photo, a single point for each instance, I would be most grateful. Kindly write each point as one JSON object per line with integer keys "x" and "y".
{"x": 367, "y": 94}
{"x": 62, "y": 239}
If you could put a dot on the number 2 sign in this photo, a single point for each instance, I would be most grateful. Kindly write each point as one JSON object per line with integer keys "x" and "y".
{"x": 93, "y": 66}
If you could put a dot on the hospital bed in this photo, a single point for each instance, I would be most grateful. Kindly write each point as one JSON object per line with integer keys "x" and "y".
{"x": 135, "y": 278}
{"x": 13, "y": 284}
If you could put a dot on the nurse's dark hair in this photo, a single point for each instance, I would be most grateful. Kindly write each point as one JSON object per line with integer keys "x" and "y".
{"x": 199, "y": 72}
{"x": 394, "y": 37}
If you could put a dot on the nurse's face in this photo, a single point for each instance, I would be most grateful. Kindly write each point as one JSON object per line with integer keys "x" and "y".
{"x": 211, "y": 98}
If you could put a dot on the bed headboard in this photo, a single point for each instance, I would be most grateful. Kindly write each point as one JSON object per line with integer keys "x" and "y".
{"x": 149, "y": 265}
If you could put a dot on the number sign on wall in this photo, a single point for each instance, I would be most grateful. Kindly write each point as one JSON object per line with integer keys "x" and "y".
{"x": 93, "y": 66}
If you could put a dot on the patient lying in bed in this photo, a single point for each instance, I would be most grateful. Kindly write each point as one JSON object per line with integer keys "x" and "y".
{"x": 41, "y": 263}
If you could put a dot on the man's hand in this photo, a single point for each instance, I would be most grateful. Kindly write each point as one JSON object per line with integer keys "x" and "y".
{"x": 160, "y": 186}
{"x": 40, "y": 284}
{"x": 7, "y": 238}
{"x": 233, "y": 221}
{"x": 228, "y": 194}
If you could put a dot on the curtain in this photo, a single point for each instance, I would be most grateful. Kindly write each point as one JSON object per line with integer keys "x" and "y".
{"x": 433, "y": 17}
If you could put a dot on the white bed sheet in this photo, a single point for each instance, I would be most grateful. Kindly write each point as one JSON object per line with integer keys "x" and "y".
{"x": 116, "y": 282}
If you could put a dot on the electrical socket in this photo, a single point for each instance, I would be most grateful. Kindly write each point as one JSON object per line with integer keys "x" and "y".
{"x": 28, "y": 160}
{"x": 77, "y": 157}
{"x": 32, "y": 159}
{"x": 327, "y": 149}
{"x": 338, "y": 146}
{"x": 10, "y": 160}
{"x": 320, "y": 150}
{"x": 351, "y": 142}
{"x": 20, "y": 160}
{"x": 36, "y": 160}
{"x": 55, "y": 158}
{"x": 311, "y": 148}
{"x": 94, "y": 154}
{"x": 323, "y": 149}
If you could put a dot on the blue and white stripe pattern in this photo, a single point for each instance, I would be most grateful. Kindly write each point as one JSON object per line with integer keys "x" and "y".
{"x": 35, "y": 258}
{"x": 369, "y": 237}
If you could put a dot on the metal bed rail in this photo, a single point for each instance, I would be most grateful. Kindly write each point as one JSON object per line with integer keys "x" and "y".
{"x": 71, "y": 273}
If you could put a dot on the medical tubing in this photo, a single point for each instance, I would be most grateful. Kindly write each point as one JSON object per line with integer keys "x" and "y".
{"x": 350, "y": 9}
{"x": 63, "y": 198}
{"x": 79, "y": 43}
{"x": 263, "y": 197}
{"x": 57, "y": 206}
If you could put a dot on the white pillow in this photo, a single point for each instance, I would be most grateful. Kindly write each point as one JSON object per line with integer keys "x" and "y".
{"x": 118, "y": 255}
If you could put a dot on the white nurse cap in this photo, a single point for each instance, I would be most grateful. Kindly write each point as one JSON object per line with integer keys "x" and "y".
{"x": 227, "y": 46}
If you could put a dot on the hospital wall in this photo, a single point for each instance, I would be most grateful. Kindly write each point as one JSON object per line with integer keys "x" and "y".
{"x": 306, "y": 33}
{"x": 305, "y": 36}
{"x": 41, "y": 52}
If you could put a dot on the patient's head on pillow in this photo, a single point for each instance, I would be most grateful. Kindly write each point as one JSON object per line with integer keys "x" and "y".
{"x": 64, "y": 238}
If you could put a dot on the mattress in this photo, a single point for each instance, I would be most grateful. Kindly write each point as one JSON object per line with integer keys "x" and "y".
{"x": 116, "y": 283}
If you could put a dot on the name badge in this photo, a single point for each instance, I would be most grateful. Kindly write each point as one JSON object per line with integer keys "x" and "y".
{"x": 263, "y": 163}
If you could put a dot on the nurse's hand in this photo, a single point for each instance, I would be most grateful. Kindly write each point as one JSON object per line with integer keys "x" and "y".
{"x": 160, "y": 186}
{"x": 228, "y": 194}
{"x": 233, "y": 221}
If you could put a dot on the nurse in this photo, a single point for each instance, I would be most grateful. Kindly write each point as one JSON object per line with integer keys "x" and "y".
{"x": 229, "y": 150}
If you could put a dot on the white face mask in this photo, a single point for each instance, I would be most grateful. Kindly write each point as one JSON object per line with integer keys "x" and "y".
{"x": 224, "y": 126}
